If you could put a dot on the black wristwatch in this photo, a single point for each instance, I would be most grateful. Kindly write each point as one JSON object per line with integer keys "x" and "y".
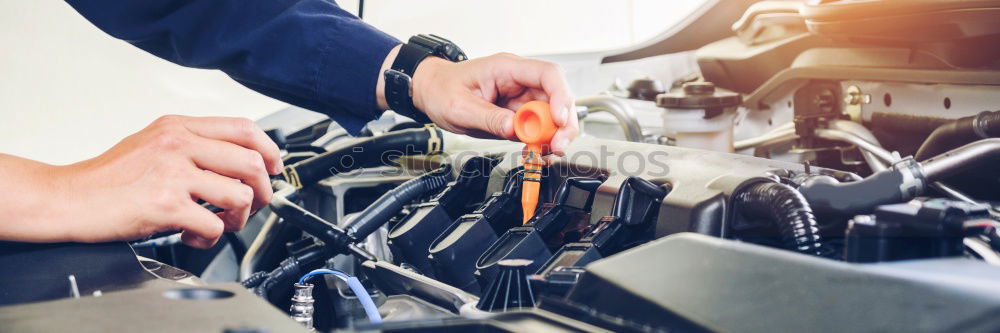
{"x": 398, "y": 92}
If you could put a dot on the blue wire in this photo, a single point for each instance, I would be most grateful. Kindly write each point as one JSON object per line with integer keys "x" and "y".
{"x": 339, "y": 274}
{"x": 359, "y": 290}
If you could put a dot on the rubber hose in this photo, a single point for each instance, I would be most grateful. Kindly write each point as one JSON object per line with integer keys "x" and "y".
{"x": 788, "y": 208}
{"x": 254, "y": 280}
{"x": 364, "y": 153}
{"x": 829, "y": 196}
{"x": 961, "y": 159}
{"x": 288, "y": 270}
{"x": 961, "y": 131}
{"x": 897, "y": 122}
{"x": 390, "y": 203}
{"x": 991, "y": 123}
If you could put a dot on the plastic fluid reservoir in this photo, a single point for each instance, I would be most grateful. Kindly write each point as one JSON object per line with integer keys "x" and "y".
{"x": 700, "y": 116}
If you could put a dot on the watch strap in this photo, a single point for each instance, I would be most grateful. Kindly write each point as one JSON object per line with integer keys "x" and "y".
{"x": 398, "y": 79}
{"x": 398, "y": 82}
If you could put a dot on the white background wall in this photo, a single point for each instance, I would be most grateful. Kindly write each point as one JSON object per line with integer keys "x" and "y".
{"x": 69, "y": 92}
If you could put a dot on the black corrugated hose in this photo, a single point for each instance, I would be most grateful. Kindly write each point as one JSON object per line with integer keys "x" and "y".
{"x": 829, "y": 197}
{"x": 364, "y": 153}
{"x": 785, "y": 206}
{"x": 390, "y": 203}
{"x": 288, "y": 270}
{"x": 254, "y": 280}
{"x": 959, "y": 132}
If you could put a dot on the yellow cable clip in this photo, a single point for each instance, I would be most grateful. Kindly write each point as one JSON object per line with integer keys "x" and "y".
{"x": 434, "y": 142}
{"x": 291, "y": 176}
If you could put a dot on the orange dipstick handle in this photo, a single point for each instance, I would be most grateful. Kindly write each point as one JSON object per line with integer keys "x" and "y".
{"x": 533, "y": 126}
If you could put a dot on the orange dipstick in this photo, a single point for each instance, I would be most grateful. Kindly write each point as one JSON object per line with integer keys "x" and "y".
{"x": 533, "y": 126}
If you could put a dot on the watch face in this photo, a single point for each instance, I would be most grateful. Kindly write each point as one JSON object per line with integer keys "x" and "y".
{"x": 453, "y": 53}
{"x": 439, "y": 46}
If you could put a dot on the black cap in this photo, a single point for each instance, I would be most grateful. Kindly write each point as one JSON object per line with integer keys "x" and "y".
{"x": 645, "y": 89}
{"x": 699, "y": 95}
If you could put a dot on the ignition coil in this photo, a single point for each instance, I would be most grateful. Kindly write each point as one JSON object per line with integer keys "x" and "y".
{"x": 569, "y": 211}
{"x": 412, "y": 236}
{"x": 453, "y": 254}
{"x": 632, "y": 222}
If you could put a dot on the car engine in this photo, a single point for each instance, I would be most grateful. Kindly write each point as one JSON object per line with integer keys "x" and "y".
{"x": 828, "y": 166}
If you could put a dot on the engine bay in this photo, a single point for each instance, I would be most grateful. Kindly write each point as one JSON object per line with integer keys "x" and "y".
{"x": 812, "y": 171}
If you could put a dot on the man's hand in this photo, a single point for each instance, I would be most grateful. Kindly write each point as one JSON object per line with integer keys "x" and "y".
{"x": 478, "y": 97}
{"x": 149, "y": 183}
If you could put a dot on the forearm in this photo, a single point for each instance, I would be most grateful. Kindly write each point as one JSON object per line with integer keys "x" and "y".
{"x": 147, "y": 183}
{"x": 32, "y": 201}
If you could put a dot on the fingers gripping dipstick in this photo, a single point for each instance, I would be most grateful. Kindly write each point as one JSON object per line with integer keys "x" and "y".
{"x": 533, "y": 126}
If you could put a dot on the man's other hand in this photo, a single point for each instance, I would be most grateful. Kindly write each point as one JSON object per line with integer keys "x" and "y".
{"x": 151, "y": 182}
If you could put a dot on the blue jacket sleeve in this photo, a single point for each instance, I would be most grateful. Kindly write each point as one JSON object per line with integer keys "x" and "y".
{"x": 309, "y": 53}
